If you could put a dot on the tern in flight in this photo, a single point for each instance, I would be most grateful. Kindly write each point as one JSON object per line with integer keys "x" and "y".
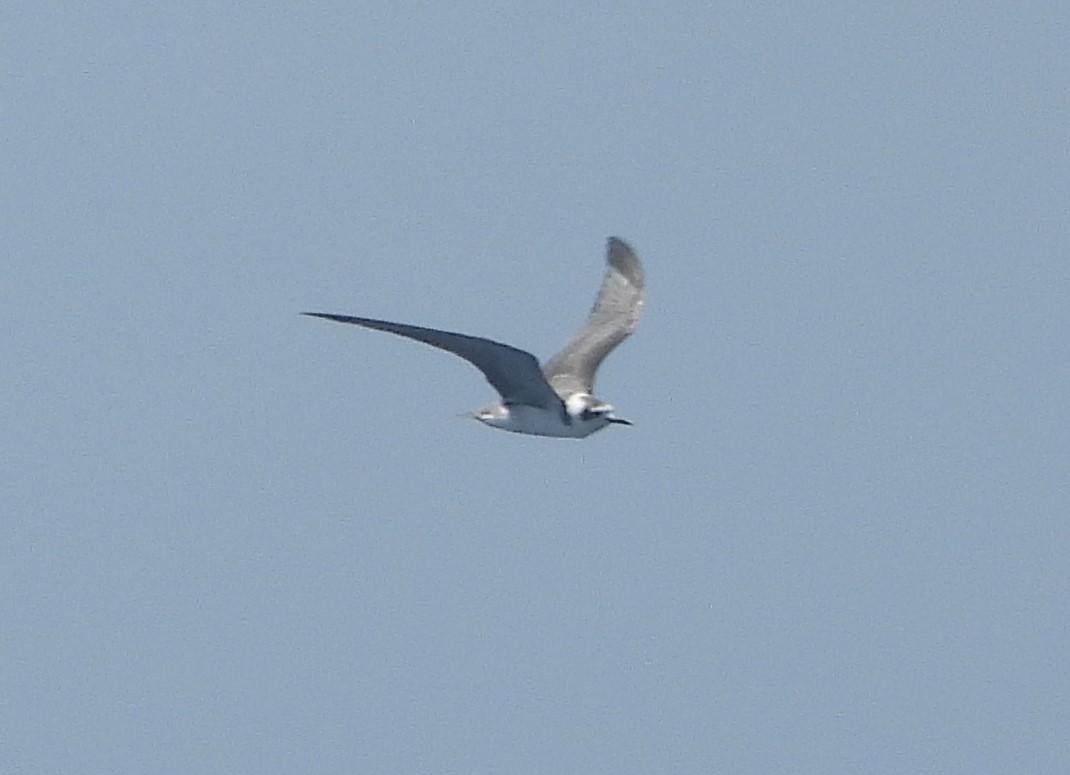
{"x": 553, "y": 400}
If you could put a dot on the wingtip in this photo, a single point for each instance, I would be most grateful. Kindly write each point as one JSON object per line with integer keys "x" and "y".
{"x": 620, "y": 255}
{"x": 326, "y": 316}
{"x": 615, "y": 246}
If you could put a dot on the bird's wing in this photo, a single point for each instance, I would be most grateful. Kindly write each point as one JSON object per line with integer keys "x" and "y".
{"x": 515, "y": 374}
{"x": 613, "y": 317}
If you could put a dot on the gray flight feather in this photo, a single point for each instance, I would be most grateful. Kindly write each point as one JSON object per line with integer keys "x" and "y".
{"x": 612, "y": 319}
{"x": 514, "y": 373}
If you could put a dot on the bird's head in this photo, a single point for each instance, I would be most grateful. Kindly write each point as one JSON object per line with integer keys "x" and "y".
{"x": 584, "y": 406}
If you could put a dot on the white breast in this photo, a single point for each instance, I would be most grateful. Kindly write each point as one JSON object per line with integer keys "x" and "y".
{"x": 537, "y": 421}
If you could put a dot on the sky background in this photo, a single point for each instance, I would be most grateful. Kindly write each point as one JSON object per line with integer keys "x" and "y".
{"x": 236, "y": 540}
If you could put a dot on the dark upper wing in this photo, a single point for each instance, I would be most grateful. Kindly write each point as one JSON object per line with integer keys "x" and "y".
{"x": 515, "y": 374}
{"x": 615, "y": 313}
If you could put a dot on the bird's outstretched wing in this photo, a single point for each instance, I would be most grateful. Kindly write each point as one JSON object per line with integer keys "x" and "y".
{"x": 514, "y": 373}
{"x": 613, "y": 317}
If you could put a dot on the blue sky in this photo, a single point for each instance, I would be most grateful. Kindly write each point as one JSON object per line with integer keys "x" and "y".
{"x": 238, "y": 540}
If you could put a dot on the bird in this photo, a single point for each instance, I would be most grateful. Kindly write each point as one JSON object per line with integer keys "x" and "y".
{"x": 553, "y": 400}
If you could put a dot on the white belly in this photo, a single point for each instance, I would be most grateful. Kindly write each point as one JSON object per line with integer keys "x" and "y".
{"x": 536, "y": 421}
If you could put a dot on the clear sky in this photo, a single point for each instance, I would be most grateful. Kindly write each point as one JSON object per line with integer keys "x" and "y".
{"x": 236, "y": 540}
